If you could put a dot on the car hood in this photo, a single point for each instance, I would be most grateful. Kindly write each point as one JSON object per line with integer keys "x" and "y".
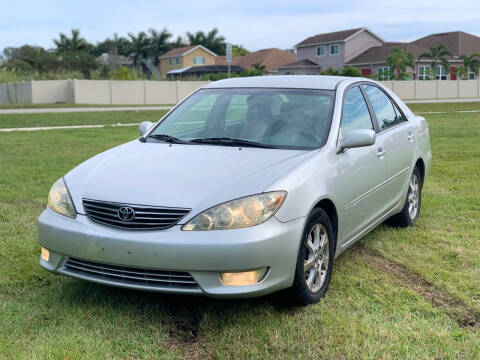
{"x": 176, "y": 175}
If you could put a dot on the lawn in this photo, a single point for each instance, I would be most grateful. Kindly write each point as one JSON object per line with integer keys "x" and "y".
{"x": 399, "y": 294}
{"x": 61, "y": 105}
{"x": 79, "y": 118}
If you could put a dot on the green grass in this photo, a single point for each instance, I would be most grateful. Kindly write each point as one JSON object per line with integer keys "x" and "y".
{"x": 425, "y": 107}
{"x": 367, "y": 313}
{"x": 79, "y": 118}
{"x": 62, "y": 105}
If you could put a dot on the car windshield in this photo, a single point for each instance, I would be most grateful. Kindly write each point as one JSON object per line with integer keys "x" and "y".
{"x": 273, "y": 118}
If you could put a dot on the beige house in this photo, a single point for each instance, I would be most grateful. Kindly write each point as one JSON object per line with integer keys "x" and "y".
{"x": 182, "y": 58}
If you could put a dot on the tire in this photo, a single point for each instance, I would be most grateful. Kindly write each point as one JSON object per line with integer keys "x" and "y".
{"x": 309, "y": 286}
{"x": 411, "y": 210}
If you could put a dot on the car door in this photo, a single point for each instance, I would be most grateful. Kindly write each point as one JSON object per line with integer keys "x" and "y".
{"x": 363, "y": 170}
{"x": 397, "y": 135}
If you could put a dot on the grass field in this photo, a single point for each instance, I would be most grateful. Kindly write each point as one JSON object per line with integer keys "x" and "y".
{"x": 79, "y": 118}
{"x": 399, "y": 294}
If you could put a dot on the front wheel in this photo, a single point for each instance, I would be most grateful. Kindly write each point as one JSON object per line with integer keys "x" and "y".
{"x": 315, "y": 259}
{"x": 411, "y": 210}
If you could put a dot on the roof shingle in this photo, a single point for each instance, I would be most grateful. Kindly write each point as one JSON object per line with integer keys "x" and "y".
{"x": 380, "y": 53}
{"x": 328, "y": 37}
{"x": 457, "y": 42}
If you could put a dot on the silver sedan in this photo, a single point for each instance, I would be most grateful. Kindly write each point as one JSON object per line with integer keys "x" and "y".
{"x": 249, "y": 186}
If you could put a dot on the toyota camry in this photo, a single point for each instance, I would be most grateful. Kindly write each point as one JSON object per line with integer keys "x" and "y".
{"x": 248, "y": 186}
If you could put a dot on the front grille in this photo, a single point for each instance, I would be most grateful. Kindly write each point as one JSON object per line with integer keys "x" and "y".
{"x": 142, "y": 218}
{"x": 129, "y": 275}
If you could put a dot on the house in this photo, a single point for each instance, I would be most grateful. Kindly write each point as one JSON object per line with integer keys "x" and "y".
{"x": 335, "y": 49}
{"x": 115, "y": 61}
{"x": 372, "y": 60}
{"x": 363, "y": 49}
{"x": 271, "y": 58}
{"x": 185, "y": 57}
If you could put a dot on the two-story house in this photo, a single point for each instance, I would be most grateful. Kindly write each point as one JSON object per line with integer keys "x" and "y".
{"x": 330, "y": 50}
{"x": 363, "y": 49}
{"x": 183, "y": 58}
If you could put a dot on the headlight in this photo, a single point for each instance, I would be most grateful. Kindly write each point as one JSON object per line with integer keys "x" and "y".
{"x": 59, "y": 200}
{"x": 239, "y": 213}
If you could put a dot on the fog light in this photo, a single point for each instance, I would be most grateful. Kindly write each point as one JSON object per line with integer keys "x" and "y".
{"x": 243, "y": 278}
{"x": 45, "y": 254}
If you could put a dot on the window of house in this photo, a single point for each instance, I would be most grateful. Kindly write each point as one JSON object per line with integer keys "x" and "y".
{"x": 383, "y": 107}
{"x": 178, "y": 60}
{"x": 355, "y": 114}
{"x": 171, "y": 61}
{"x": 441, "y": 73}
{"x": 424, "y": 73}
{"x": 334, "y": 49}
{"x": 320, "y": 50}
{"x": 384, "y": 73}
{"x": 199, "y": 60}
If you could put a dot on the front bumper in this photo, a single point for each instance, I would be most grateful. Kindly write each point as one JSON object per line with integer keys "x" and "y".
{"x": 202, "y": 254}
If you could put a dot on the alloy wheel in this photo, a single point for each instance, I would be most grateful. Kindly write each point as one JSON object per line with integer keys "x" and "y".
{"x": 413, "y": 197}
{"x": 316, "y": 260}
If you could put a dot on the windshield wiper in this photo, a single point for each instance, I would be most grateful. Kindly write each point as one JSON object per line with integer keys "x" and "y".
{"x": 229, "y": 142}
{"x": 168, "y": 139}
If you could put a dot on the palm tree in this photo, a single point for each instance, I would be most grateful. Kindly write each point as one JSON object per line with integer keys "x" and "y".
{"x": 211, "y": 40}
{"x": 461, "y": 72}
{"x": 470, "y": 63}
{"x": 259, "y": 67}
{"x": 158, "y": 43}
{"x": 75, "y": 43}
{"x": 399, "y": 59}
{"x": 437, "y": 54}
{"x": 179, "y": 42}
{"x": 139, "y": 48}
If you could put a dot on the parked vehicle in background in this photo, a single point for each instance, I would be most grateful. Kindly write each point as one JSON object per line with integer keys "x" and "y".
{"x": 249, "y": 186}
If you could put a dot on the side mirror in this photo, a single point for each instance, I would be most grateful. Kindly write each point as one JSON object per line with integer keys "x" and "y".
{"x": 358, "y": 138}
{"x": 144, "y": 127}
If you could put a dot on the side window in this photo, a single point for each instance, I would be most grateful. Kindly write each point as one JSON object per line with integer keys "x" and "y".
{"x": 355, "y": 114}
{"x": 383, "y": 107}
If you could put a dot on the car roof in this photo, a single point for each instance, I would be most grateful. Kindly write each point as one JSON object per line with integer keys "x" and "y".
{"x": 282, "y": 81}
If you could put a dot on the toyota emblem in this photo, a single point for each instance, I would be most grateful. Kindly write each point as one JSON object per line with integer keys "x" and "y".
{"x": 126, "y": 213}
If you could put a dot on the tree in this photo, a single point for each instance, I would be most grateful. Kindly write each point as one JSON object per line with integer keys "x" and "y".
{"x": 158, "y": 43}
{"x": 260, "y": 68}
{"x": 329, "y": 71}
{"x": 211, "y": 40}
{"x": 437, "y": 54}
{"x": 239, "y": 50}
{"x": 74, "y": 43}
{"x": 140, "y": 48}
{"x": 350, "y": 71}
{"x": 471, "y": 63}
{"x": 119, "y": 45}
{"x": 400, "y": 60}
{"x": 179, "y": 42}
{"x": 461, "y": 72}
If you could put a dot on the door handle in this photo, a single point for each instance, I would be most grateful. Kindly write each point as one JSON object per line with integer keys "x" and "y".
{"x": 410, "y": 136}
{"x": 380, "y": 152}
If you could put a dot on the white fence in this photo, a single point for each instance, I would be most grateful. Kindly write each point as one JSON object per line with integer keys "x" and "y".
{"x": 106, "y": 92}
{"x": 171, "y": 92}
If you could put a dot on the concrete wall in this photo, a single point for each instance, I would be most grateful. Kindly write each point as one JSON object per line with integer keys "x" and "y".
{"x": 51, "y": 91}
{"x": 435, "y": 89}
{"x": 16, "y": 93}
{"x": 171, "y": 92}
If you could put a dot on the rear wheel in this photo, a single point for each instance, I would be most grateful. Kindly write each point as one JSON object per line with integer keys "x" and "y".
{"x": 315, "y": 259}
{"x": 411, "y": 210}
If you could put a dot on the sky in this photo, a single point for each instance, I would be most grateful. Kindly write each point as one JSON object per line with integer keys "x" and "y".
{"x": 253, "y": 24}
